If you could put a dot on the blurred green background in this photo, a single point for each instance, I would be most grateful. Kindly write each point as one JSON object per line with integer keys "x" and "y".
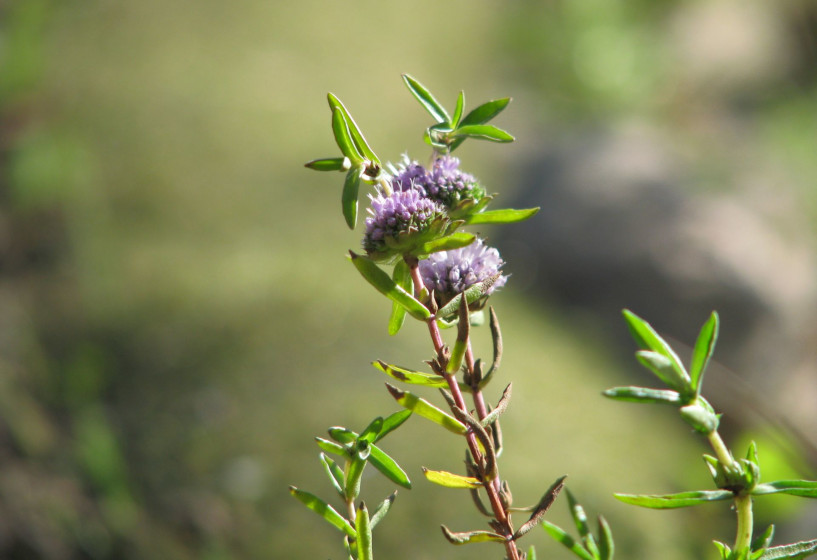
{"x": 178, "y": 320}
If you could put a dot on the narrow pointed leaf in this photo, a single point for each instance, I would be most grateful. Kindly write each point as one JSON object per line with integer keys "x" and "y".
{"x": 764, "y": 540}
{"x": 351, "y": 187}
{"x": 427, "y": 100}
{"x": 343, "y": 138}
{"x": 427, "y": 410}
{"x": 454, "y": 241}
{"x": 496, "y": 337}
{"x": 560, "y": 535}
{"x": 329, "y": 164}
{"x": 388, "y": 466}
{"x": 471, "y": 537}
{"x": 324, "y": 510}
{"x": 541, "y": 508}
{"x": 364, "y": 533}
{"x": 354, "y": 131}
{"x": 386, "y": 286}
{"x": 798, "y": 550}
{"x": 606, "y": 545}
{"x": 472, "y": 294}
{"x": 351, "y": 489}
{"x": 671, "y": 501}
{"x": 646, "y": 337}
{"x": 531, "y": 554}
{"x": 402, "y": 277}
{"x": 331, "y": 447}
{"x": 451, "y": 480}
{"x": 370, "y": 432}
{"x": 663, "y": 369}
{"x": 802, "y": 488}
{"x": 501, "y": 406}
{"x": 702, "y": 418}
{"x": 461, "y": 343}
{"x": 392, "y": 422}
{"x": 410, "y": 376}
{"x": 334, "y": 472}
{"x": 381, "y": 510}
{"x": 342, "y": 435}
{"x": 703, "y": 351}
{"x": 504, "y": 216}
{"x": 486, "y": 111}
{"x": 455, "y": 120}
{"x": 643, "y": 395}
{"x": 483, "y": 132}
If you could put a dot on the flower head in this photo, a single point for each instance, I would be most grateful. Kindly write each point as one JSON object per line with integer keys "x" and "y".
{"x": 444, "y": 182}
{"x": 399, "y": 222}
{"x": 449, "y": 273}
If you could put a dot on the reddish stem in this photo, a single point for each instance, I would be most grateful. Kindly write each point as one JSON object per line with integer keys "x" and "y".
{"x": 491, "y": 487}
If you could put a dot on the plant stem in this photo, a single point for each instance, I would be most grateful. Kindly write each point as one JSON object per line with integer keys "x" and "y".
{"x": 490, "y": 487}
{"x": 743, "y": 502}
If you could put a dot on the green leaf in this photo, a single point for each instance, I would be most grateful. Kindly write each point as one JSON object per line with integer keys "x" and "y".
{"x": 392, "y": 422}
{"x": 411, "y": 376}
{"x": 402, "y": 277}
{"x": 455, "y": 120}
{"x": 427, "y": 100}
{"x": 504, "y": 216}
{"x": 447, "y": 243}
{"x": 483, "y": 132}
{"x": 486, "y": 111}
{"x": 798, "y": 550}
{"x": 343, "y": 138}
{"x": 802, "y": 488}
{"x": 386, "y": 286}
{"x": 388, "y": 466}
{"x": 643, "y": 395}
{"x": 348, "y": 200}
{"x": 364, "y": 533}
{"x": 381, "y": 510}
{"x": 451, "y": 480}
{"x": 471, "y": 537}
{"x": 331, "y": 447}
{"x": 671, "y": 501}
{"x": 704, "y": 347}
{"x": 531, "y": 554}
{"x": 427, "y": 410}
{"x": 370, "y": 432}
{"x": 351, "y": 489}
{"x": 663, "y": 369}
{"x": 329, "y": 164}
{"x": 324, "y": 510}
{"x": 342, "y": 435}
{"x": 334, "y": 472}
{"x": 646, "y": 337}
{"x": 580, "y": 520}
{"x": 357, "y": 136}
{"x": 606, "y": 545}
{"x": 560, "y": 535}
{"x": 764, "y": 540}
{"x": 702, "y": 418}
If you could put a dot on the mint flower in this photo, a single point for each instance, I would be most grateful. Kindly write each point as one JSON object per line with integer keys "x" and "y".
{"x": 449, "y": 273}
{"x": 444, "y": 182}
{"x": 399, "y": 223}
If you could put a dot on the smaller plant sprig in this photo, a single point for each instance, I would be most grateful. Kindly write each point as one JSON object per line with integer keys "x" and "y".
{"x": 357, "y": 450}
{"x": 736, "y": 479}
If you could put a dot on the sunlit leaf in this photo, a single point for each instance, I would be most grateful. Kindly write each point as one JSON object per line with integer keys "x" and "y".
{"x": 483, "y": 132}
{"x": 792, "y": 551}
{"x": 392, "y": 422}
{"x": 329, "y": 164}
{"x": 472, "y": 294}
{"x": 643, "y": 395}
{"x": 427, "y": 100}
{"x": 402, "y": 277}
{"x": 471, "y": 537}
{"x": 386, "y": 286}
{"x": 664, "y": 369}
{"x": 560, "y": 535}
{"x": 354, "y": 131}
{"x": 331, "y": 447}
{"x": 451, "y": 480}
{"x": 455, "y": 120}
{"x": 703, "y": 351}
{"x": 410, "y": 376}
{"x": 454, "y": 241}
{"x": 427, "y": 410}
{"x": 334, "y": 472}
{"x": 364, "y": 533}
{"x": 802, "y": 488}
{"x": 351, "y": 187}
{"x": 388, "y": 466}
{"x": 671, "y": 501}
{"x": 324, "y": 510}
{"x": 343, "y": 138}
{"x": 380, "y": 512}
{"x": 486, "y": 111}
{"x": 646, "y": 338}
{"x": 503, "y": 216}
{"x": 606, "y": 545}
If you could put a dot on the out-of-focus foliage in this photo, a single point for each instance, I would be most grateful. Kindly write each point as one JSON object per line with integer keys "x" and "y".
{"x": 173, "y": 290}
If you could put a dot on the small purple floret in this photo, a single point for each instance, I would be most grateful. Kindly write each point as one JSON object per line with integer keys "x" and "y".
{"x": 449, "y": 273}
{"x": 444, "y": 182}
{"x": 402, "y": 212}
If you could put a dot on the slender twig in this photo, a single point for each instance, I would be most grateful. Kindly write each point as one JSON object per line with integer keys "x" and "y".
{"x": 743, "y": 502}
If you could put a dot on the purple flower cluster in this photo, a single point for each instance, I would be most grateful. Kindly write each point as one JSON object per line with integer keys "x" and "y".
{"x": 449, "y": 273}
{"x": 444, "y": 182}
{"x": 398, "y": 215}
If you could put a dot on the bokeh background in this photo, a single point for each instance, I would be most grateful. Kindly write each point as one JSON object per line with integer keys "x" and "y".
{"x": 178, "y": 320}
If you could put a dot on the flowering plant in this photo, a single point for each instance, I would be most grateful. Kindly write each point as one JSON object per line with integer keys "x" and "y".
{"x": 443, "y": 276}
